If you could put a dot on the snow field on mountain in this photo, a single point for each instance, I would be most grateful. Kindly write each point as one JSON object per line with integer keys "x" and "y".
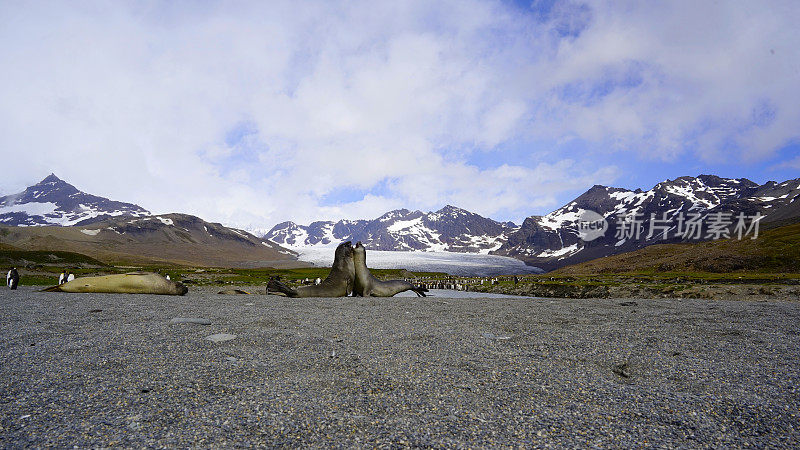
{"x": 38, "y": 209}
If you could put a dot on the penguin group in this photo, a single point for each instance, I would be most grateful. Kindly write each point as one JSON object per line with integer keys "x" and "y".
{"x": 65, "y": 277}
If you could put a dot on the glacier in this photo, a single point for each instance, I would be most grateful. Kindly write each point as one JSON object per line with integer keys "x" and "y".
{"x": 453, "y": 263}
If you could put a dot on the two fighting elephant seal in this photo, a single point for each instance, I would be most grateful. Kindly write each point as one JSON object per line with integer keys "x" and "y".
{"x": 128, "y": 283}
{"x": 366, "y": 285}
{"x": 339, "y": 282}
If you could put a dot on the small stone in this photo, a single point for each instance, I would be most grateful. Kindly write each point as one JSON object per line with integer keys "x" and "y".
{"x": 494, "y": 336}
{"x": 221, "y": 337}
{"x": 622, "y": 370}
{"x": 197, "y": 320}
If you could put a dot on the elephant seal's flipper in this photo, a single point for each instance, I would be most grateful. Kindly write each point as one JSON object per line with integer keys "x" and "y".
{"x": 275, "y": 286}
{"x": 52, "y": 289}
{"x": 420, "y": 291}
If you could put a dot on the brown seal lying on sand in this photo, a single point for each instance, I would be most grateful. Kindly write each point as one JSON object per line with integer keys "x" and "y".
{"x": 367, "y": 285}
{"x": 128, "y": 283}
{"x": 339, "y": 282}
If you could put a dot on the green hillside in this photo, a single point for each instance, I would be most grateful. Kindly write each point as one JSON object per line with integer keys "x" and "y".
{"x": 775, "y": 250}
{"x": 10, "y": 256}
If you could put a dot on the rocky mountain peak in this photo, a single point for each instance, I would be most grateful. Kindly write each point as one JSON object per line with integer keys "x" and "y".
{"x": 51, "y": 179}
{"x": 713, "y": 180}
{"x": 448, "y": 212}
{"x": 451, "y": 209}
{"x": 448, "y": 229}
{"x": 53, "y": 201}
{"x": 394, "y": 214}
{"x": 48, "y": 189}
{"x": 553, "y": 240}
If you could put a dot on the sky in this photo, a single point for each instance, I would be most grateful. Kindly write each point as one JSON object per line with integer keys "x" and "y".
{"x": 253, "y": 113}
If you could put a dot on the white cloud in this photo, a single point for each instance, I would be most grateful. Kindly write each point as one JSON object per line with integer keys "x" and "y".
{"x": 138, "y": 101}
{"x": 793, "y": 163}
{"x": 672, "y": 78}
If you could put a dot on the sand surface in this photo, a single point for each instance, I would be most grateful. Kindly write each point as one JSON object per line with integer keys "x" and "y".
{"x": 99, "y": 370}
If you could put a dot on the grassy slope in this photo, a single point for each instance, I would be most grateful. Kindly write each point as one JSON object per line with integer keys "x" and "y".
{"x": 10, "y": 256}
{"x": 768, "y": 267}
{"x": 775, "y": 250}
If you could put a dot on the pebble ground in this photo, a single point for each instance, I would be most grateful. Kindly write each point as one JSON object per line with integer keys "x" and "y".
{"x": 107, "y": 370}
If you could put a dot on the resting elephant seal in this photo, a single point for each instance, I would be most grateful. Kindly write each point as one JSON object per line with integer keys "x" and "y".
{"x": 367, "y": 285}
{"x": 128, "y": 283}
{"x": 339, "y": 282}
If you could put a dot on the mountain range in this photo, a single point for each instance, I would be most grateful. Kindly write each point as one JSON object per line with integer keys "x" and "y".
{"x": 448, "y": 229}
{"x": 550, "y": 241}
{"x": 554, "y": 240}
{"x": 53, "y": 215}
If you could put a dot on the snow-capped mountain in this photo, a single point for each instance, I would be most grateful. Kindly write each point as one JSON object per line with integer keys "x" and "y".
{"x": 53, "y": 201}
{"x": 554, "y": 240}
{"x": 633, "y": 219}
{"x": 117, "y": 231}
{"x": 448, "y": 229}
{"x": 175, "y": 238}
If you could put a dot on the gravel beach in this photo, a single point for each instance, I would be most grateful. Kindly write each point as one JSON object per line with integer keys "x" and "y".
{"x": 101, "y": 370}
